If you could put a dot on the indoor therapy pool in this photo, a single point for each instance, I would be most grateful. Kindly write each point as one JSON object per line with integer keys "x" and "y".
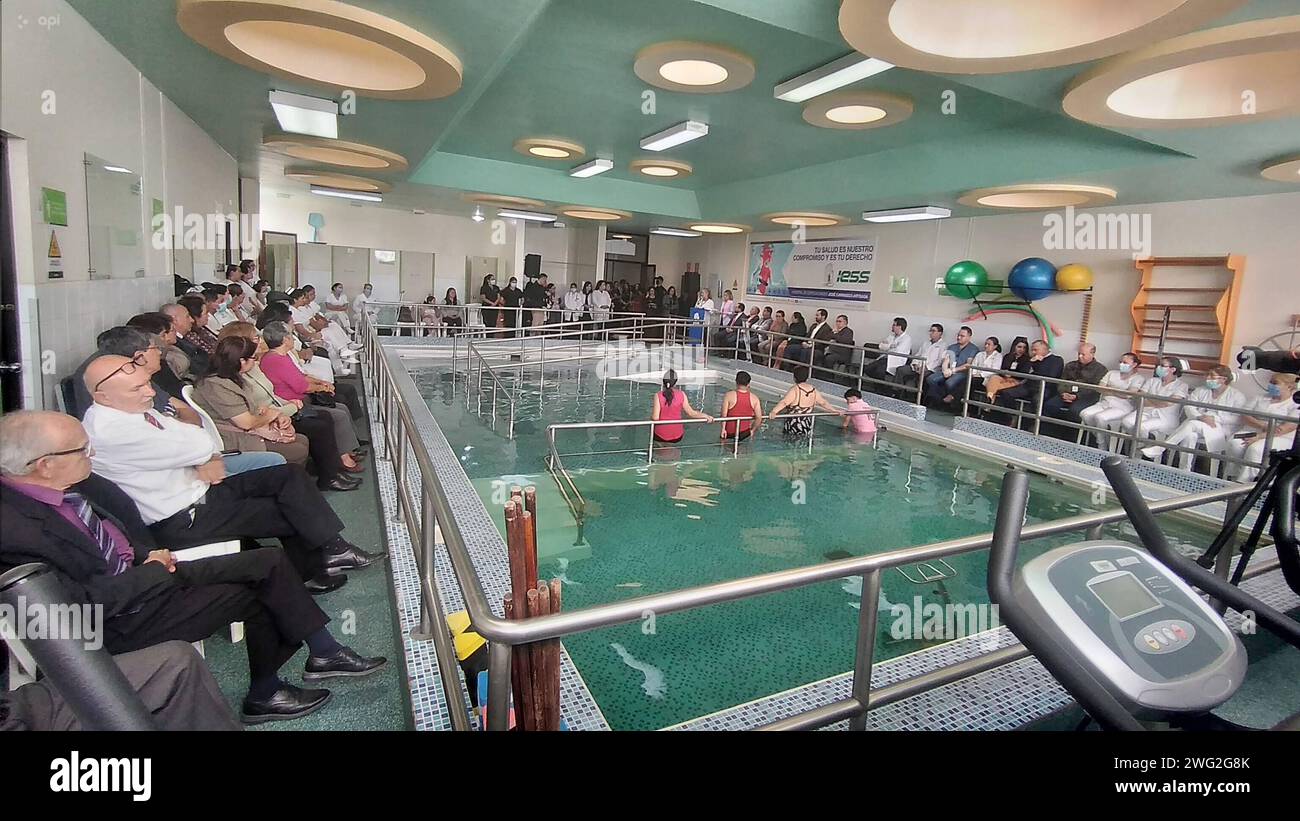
{"x": 697, "y": 514}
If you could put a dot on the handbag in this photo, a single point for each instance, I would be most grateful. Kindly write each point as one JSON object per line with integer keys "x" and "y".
{"x": 325, "y": 400}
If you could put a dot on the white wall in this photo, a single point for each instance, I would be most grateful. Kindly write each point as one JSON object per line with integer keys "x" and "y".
{"x": 66, "y": 93}
{"x": 669, "y": 255}
{"x": 368, "y": 225}
{"x": 1262, "y": 228}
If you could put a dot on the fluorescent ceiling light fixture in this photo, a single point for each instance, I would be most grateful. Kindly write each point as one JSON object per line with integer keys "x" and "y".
{"x": 531, "y": 216}
{"x": 591, "y": 169}
{"x": 119, "y": 169}
{"x": 922, "y": 212}
{"x": 300, "y": 114}
{"x": 678, "y": 134}
{"x": 675, "y": 232}
{"x": 835, "y": 74}
{"x": 347, "y": 195}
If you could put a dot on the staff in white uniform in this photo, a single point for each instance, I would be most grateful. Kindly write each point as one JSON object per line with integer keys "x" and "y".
{"x": 1159, "y": 414}
{"x": 1277, "y": 400}
{"x": 574, "y": 302}
{"x": 1112, "y": 408}
{"x": 336, "y": 307}
{"x": 361, "y": 305}
{"x": 1212, "y": 427}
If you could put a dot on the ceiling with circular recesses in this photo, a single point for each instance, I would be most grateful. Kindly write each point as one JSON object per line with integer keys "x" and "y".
{"x": 335, "y": 152}
{"x": 549, "y": 148}
{"x": 503, "y": 201}
{"x": 331, "y": 179}
{"x": 996, "y": 36}
{"x": 857, "y": 110}
{"x": 662, "y": 168}
{"x": 582, "y": 212}
{"x": 1030, "y": 196}
{"x": 1285, "y": 169}
{"x": 1248, "y": 72}
{"x": 695, "y": 68}
{"x": 325, "y": 43}
{"x": 808, "y": 219}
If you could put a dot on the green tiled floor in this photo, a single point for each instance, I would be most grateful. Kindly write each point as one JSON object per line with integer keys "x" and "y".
{"x": 362, "y": 615}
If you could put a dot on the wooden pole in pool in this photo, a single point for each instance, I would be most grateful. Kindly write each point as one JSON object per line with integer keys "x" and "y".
{"x": 544, "y": 668}
{"x": 536, "y": 663}
{"x": 553, "y": 663}
{"x": 521, "y": 670}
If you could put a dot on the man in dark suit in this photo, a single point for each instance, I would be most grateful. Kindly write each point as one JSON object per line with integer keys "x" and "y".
{"x": 90, "y": 533}
{"x": 1070, "y": 402}
{"x": 833, "y": 357}
{"x": 183, "y": 324}
{"x": 809, "y": 351}
{"x": 1042, "y": 363}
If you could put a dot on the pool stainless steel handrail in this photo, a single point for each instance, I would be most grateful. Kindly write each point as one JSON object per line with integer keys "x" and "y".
{"x": 503, "y": 634}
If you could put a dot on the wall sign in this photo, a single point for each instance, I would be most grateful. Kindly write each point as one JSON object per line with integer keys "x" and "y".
{"x": 54, "y": 207}
{"x": 838, "y": 269}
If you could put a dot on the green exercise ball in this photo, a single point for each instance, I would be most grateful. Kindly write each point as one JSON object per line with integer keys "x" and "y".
{"x": 966, "y": 279}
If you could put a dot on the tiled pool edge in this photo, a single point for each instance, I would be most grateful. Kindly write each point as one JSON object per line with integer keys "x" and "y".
{"x": 487, "y": 551}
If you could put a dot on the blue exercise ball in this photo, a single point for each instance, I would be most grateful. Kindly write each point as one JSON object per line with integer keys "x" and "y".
{"x": 1032, "y": 279}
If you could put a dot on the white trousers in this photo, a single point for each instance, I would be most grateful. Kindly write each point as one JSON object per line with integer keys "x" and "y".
{"x": 1193, "y": 432}
{"x": 1254, "y": 452}
{"x": 1108, "y": 414}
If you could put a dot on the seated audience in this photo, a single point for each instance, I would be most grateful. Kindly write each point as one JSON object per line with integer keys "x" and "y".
{"x": 797, "y": 330}
{"x": 89, "y": 532}
{"x": 1072, "y": 399}
{"x": 757, "y": 330}
{"x": 183, "y": 325}
{"x": 728, "y": 335}
{"x": 239, "y": 305}
{"x": 943, "y": 385}
{"x": 1017, "y": 359}
{"x": 809, "y": 352}
{"x": 990, "y": 358}
{"x": 1042, "y": 362}
{"x": 834, "y": 357}
{"x": 1112, "y": 408}
{"x": 336, "y": 307}
{"x": 1249, "y": 442}
{"x": 139, "y": 346}
{"x": 772, "y": 339}
{"x": 933, "y": 352}
{"x": 451, "y": 314}
{"x": 899, "y": 343}
{"x": 160, "y": 325}
{"x": 741, "y": 402}
{"x": 1160, "y": 415}
{"x": 1209, "y": 426}
{"x": 198, "y": 334}
{"x": 178, "y": 480}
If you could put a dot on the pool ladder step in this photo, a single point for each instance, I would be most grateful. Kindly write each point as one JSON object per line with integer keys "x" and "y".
{"x": 929, "y": 572}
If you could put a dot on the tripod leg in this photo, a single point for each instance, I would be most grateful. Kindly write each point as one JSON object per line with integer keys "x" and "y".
{"x": 1262, "y": 486}
{"x": 1252, "y": 542}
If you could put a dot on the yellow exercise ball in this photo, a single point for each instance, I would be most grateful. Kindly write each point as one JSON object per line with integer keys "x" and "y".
{"x": 1073, "y": 277}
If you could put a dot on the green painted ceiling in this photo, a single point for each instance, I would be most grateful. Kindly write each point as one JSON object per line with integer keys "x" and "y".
{"x": 564, "y": 68}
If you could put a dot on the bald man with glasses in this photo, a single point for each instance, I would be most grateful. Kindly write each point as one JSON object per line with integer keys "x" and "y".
{"x": 86, "y": 529}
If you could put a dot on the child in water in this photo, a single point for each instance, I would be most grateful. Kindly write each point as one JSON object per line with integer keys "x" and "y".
{"x": 864, "y": 423}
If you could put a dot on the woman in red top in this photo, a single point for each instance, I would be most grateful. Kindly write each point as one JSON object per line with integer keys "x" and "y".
{"x": 741, "y": 402}
{"x": 671, "y": 404}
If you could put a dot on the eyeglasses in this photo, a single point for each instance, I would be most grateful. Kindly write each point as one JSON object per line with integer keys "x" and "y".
{"x": 86, "y": 449}
{"x": 128, "y": 367}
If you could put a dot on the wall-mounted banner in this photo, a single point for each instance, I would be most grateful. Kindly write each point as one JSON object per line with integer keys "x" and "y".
{"x": 838, "y": 269}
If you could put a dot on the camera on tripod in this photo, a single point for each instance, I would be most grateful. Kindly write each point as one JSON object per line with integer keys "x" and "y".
{"x": 1253, "y": 359}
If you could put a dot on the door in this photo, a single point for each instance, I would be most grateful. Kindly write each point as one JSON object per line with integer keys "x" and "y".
{"x": 11, "y": 388}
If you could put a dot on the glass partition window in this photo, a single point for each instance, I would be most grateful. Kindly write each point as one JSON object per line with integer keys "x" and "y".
{"x": 114, "y": 219}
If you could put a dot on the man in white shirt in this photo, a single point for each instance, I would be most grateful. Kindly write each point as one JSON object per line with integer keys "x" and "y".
{"x": 899, "y": 341}
{"x": 361, "y": 305}
{"x": 933, "y": 352}
{"x": 178, "y": 480}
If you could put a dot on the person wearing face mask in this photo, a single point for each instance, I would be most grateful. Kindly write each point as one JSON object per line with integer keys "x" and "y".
{"x": 511, "y": 296}
{"x": 573, "y": 303}
{"x": 1108, "y": 412}
{"x": 1210, "y": 426}
{"x": 1159, "y": 412}
{"x": 1249, "y": 442}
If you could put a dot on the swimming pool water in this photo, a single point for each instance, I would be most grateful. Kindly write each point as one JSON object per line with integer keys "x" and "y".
{"x": 701, "y": 516}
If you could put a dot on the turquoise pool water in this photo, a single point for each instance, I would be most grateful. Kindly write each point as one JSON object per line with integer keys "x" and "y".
{"x": 708, "y": 517}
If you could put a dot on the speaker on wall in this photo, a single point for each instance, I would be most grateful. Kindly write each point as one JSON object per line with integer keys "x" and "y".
{"x": 532, "y": 266}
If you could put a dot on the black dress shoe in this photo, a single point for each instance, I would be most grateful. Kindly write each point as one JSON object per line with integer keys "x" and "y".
{"x": 323, "y": 583}
{"x": 343, "y": 662}
{"x": 360, "y": 453}
{"x": 340, "y": 483}
{"x": 346, "y": 556}
{"x": 289, "y": 702}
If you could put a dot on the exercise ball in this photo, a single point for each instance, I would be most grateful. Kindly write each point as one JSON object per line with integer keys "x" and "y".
{"x": 1073, "y": 277}
{"x": 1032, "y": 279}
{"x": 966, "y": 279}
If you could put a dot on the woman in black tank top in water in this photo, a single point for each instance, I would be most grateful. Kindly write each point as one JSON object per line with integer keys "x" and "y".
{"x": 802, "y": 400}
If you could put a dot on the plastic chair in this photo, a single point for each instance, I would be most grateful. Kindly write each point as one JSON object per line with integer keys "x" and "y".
{"x": 187, "y": 393}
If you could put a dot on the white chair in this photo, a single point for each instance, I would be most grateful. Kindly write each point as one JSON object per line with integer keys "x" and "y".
{"x": 187, "y": 393}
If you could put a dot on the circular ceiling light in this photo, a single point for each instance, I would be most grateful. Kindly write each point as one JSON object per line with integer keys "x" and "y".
{"x": 1286, "y": 169}
{"x": 330, "y": 179}
{"x": 719, "y": 228}
{"x": 699, "y": 68}
{"x": 995, "y": 36}
{"x": 662, "y": 168}
{"x": 325, "y": 42}
{"x": 549, "y": 148}
{"x": 598, "y": 214}
{"x": 808, "y": 219}
{"x": 1037, "y": 195}
{"x": 503, "y": 201}
{"x": 1241, "y": 73}
{"x": 857, "y": 109}
{"x": 335, "y": 152}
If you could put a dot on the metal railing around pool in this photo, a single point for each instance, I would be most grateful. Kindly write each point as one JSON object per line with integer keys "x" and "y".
{"x": 402, "y": 435}
{"x": 569, "y": 488}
